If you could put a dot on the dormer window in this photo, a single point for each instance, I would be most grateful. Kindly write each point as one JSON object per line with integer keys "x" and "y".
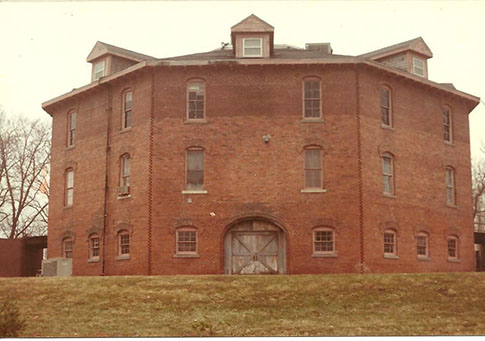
{"x": 252, "y": 47}
{"x": 418, "y": 67}
{"x": 98, "y": 70}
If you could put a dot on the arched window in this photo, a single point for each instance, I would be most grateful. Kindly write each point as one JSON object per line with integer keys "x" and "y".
{"x": 123, "y": 244}
{"x": 447, "y": 125}
{"x": 323, "y": 240}
{"x": 196, "y": 100}
{"x": 313, "y": 167}
{"x": 187, "y": 240}
{"x": 69, "y": 189}
{"x": 125, "y": 170}
{"x": 67, "y": 244}
{"x": 71, "y": 128}
{"x": 450, "y": 186}
{"x": 127, "y": 109}
{"x": 94, "y": 247}
{"x": 388, "y": 173}
{"x": 390, "y": 244}
{"x": 195, "y": 169}
{"x": 312, "y": 98}
{"x": 422, "y": 245}
{"x": 386, "y": 107}
{"x": 453, "y": 247}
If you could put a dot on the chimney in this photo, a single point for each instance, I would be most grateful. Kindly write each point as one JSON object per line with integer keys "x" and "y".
{"x": 324, "y": 48}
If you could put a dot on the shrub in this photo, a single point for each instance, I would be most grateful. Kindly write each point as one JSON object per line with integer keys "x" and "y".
{"x": 10, "y": 321}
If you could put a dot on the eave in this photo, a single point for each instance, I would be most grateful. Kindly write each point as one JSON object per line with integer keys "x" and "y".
{"x": 263, "y": 62}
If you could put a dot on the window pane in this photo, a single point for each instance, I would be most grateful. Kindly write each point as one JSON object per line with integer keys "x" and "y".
{"x": 385, "y": 98}
{"x": 385, "y": 116}
{"x": 252, "y": 42}
{"x": 126, "y": 166}
{"x": 256, "y": 51}
{"x": 195, "y": 179}
{"x": 195, "y": 160}
{"x": 312, "y": 159}
{"x": 386, "y": 165}
{"x": 70, "y": 179}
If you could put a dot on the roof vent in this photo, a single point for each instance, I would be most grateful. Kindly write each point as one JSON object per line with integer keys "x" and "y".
{"x": 325, "y": 48}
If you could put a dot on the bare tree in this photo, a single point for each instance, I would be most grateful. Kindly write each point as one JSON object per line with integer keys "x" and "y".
{"x": 24, "y": 164}
{"x": 478, "y": 178}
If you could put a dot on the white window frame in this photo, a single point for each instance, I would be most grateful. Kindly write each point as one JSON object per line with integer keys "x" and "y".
{"x": 65, "y": 250}
{"x": 93, "y": 247}
{"x": 260, "y": 47}
{"x": 323, "y": 252}
{"x": 179, "y": 242}
{"x": 450, "y": 185}
{"x": 99, "y": 67}
{"x": 392, "y": 254}
{"x": 69, "y": 194}
{"x": 447, "y": 126}
{"x": 127, "y": 111}
{"x": 456, "y": 248}
{"x": 125, "y": 173}
{"x": 426, "y": 246}
{"x": 388, "y": 176}
{"x": 419, "y": 67}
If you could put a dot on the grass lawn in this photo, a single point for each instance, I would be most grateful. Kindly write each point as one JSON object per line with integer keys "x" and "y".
{"x": 297, "y": 305}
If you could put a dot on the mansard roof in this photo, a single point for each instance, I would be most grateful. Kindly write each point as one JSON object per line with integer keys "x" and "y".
{"x": 100, "y": 49}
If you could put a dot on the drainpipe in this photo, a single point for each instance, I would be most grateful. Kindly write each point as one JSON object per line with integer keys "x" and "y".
{"x": 359, "y": 168}
{"x": 150, "y": 173}
{"x": 108, "y": 111}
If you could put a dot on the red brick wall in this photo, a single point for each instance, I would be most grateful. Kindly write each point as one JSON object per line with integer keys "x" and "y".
{"x": 246, "y": 177}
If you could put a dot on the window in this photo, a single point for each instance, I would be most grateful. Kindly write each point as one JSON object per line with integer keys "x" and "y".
{"x": 312, "y": 98}
{"x": 418, "y": 67}
{"x": 69, "y": 187}
{"x": 450, "y": 186}
{"x": 388, "y": 174}
{"x": 313, "y": 168}
{"x": 186, "y": 241}
{"x": 98, "y": 70}
{"x": 195, "y": 169}
{"x": 127, "y": 100}
{"x": 323, "y": 241}
{"x": 386, "y": 112}
{"x": 123, "y": 244}
{"x": 252, "y": 47}
{"x": 125, "y": 174}
{"x": 67, "y": 247}
{"x": 422, "y": 245}
{"x": 390, "y": 248}
{"x": 195, "y": 100}
{"x": 447, "y": 133}
{"x": 71, "y": 129}
{"x": 94, "y": 247}
{"x": 453, "y": 248}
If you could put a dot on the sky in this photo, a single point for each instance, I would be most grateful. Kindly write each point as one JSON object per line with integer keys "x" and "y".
{"x": 44, "y": 45}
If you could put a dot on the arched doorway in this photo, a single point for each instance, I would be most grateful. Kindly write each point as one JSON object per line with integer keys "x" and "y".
{"x": 254, "y": 246}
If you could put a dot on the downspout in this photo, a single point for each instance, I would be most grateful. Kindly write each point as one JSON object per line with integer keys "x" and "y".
{"x": 150, "y": 173}
{"x": 359, "y": 168}
{"x": 105, "y": 211}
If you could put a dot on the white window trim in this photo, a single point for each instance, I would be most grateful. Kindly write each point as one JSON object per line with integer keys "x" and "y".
{"x": 416, "y": 67}
{"x": 252, "y": 55}
{"x": 96, "y": 71}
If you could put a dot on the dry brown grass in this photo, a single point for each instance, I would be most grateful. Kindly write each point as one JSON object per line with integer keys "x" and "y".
{"x": 324, "y": 305}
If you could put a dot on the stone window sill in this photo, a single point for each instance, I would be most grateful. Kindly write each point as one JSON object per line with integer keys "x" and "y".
{"x": 452, "y": 206}
{"x": 186, "y": 255}
{"x": 325, "y": 255}
{"x": 194, "y": 191}
{"x": 312, "y": 120}
{"x": 125, "y": 130}
{"x": 67, "y": 207}
{"x": 424, "y": 258}
{"x": 454, "y": 260}
{"x": 70, "y": 147}
{"x": 448, "y": 143}
{"x": 391, "y": 196}
{"x": 93, "y": 260}
{"x": 121, "y": 197}
{"x": 391, "y": 256}
{"x": 386, "y": 127}
{"x": 314, "y": 190}
{"x": 123, "y": 257}
{"x": 195, "y": 121}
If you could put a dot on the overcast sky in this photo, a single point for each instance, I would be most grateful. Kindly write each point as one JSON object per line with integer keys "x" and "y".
{"x": 43, "y": 46}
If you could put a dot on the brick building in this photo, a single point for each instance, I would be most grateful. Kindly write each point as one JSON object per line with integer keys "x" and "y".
{"x": 261, "y": 158}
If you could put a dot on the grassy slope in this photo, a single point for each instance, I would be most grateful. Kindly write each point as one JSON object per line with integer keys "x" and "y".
{"x": 332, "y": 305}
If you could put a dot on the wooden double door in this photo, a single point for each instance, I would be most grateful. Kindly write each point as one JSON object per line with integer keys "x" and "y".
{"x": 255, "y": 247}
